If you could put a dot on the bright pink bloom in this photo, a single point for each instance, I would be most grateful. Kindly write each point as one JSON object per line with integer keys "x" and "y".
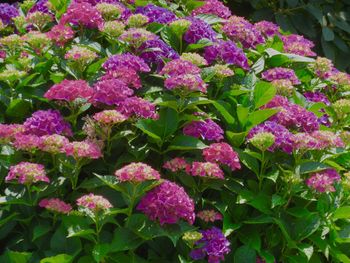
{"x": 55, "y": 205}
{"x": 83, "y": 149}
{"x": 213, "y": 7}
{"x": 27, "y": 142}
{"x": 210, "y": 170}
{"x": 95, "y": 203}
{"x": 61, "y": 34}
{"x": 69, "y": 90}
{"x": 9, "y": 131}
{"x": 137, "y": 172}
{"x": 139, "y": 107}
{"x": 53, "y": 143}
{"x": 27, "y": 173}
{"x": 222, "y": 153}
{"x": 110, "y": 117}
{"x": 323, "y": 181}
{"x": 177, "y": 164}
{"x": 178, "y": 67}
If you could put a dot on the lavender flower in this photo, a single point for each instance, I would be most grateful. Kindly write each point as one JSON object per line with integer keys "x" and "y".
{"x": 7, "y": 12}
{"x": 168, "y": 203}
{"x": 280, "y": 73}
{"x": 126, "y": 60}
{"x": 323, "y": 181}
{"x": 138, "y": 107}
{"x": 213, "y": 244}
{"x": 198, "y": 30}
{"x": 213, "y": 7}
{"x": 268, "y": 29}
{"x": 316, "y": 97}
{"x": 206, "y": 129}
{"x": 156, "y": 14}
{"x": 298, "y": 45}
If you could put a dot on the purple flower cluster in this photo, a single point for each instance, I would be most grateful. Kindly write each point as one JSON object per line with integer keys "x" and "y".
{"x": 156, "y": 14}
{"x": 296, "y": 44}
{"x": 156, "y": 51}
{"x": 268, "y": 29}
{"x": 125, "y": 74}
{"x": 280, "y": 73}
{"x": 126, "y": 60}
{"x": 198, "y": 30}
{"x": 69, "y": 90}
{"x": 168, "y": 203}
{"x": 283, "y": 138}
{"x": 226, "y": 52}
{"x": 138, "y": 107}
{"x": 323, "y": 181}
{"x": 292, "y": 115}
{"x": 213, "y": 244}
{"x": 47, "y": 122}
{"x": 317, "y": 97}
{"x": 82, "y": 14}
{"x": 40, "y": 6}
{"x": 110, "y": 92}
{"x": 7, "y": 12}
{"x": 213, "y": 7}
{"x": 239, "y": 29}
{"x": 205, "y": 129}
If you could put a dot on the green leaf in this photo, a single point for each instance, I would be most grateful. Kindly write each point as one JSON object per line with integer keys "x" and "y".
{"x": 236, "y": 139}
{"x": 100, "y": 251}
{"x": 260, "y": 116}
{"x": 204, "y": 42}
{"x": 170, "y": 37}
{"x": 263, "y": 93}
{"x": 248, "y": 161}
{"x": 305, "y": 227}
{"x": 242, "y": 114}
{"x": 18, "y": 108}
{"x": 342, "y": 213}
{"x": 15, "y": 257}
{"x": 148, "y": 127}
{"x": 40, "y": 230}
{"x": 183, "y": 142}
{"x": 245, "y": 254}
{"x": 220, "y": 106}
{"x": 124, "y": 239}
{"x": 310, "y": 167}
{"x": 210, "y": 19}
{"x": 81, "y": 231}
{"x": 61, "y": 258}
{"x": 328, "y": 34}
{"x": 110, "y": 181}
{"x": 259, "y": 65}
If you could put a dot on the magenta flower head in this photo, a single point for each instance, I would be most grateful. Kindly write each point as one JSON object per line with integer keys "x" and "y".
{"x": 280, "y": 73}
{"x": 138, "y": 107}
{"x": 268, "y": 29}
{"x": 95, "y": 203}
{"x": 9, "y": 131}
{"x": 7, "y": 12}
{"x": 126, "y": 61}
{"x": 83, "y": 149}
{"x": 222, "y": 153}
{"x": 296, "y": 44}
{"x": 207, "y": 170}
{"x": 213, "y": 7}
{"x": 168, "y": 203}
{"x": 317, "y": 97}
{"x": 60, "y": 34}
{"x": 198, "y": 30}
{"x": 27, "y": 173}
{"x": 110, "y": 92}
{"x": 82, "y": 14}
{"x": 137, "y": 172}
{"x": 179, "y": 67}
{"x": 53, "y": 143}
{"x": 239, "y": 29}
{"x": 135, "y": 37}
{"x": 156, "y": 14}
{"x": 27, "y": 142}
{"x": 205, "y": 129}
{"x": 55, "y": 205}
{"x": 226, "y": 52}
{"x": 209, "y": 215}
{"x": 283, "y": 138}
{"x": 109, "y": 117}
{"x": 70, "y": 90}
{"x": 177, "y": 164}
{"x": 47, "y": 122}
{"x": 125, "y": 74}
{"x": 213, "y": 244}
{"x": 187, "y": 82}
{"x": 323, "y": 181}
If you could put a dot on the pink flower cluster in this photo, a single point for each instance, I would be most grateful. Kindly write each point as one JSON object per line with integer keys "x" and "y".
{"x": 9, "y": 131}
{"x": 27, "y": 142}
{"x": 109, "y": 117}
{"x": 280, "y": 73}
{"x": 27, "y": 173}
{"x": 222, "y": 153}
{"x": 137, "y": 172}
{"x": 267, "y": 28}
{"x": 206, "y": 129}
{"x": 292, "y": 115}
{"x": 239, "y": 29}
{"x": 168, "y": 203}
{"x": 138, "y": 107}
{"x": 207, "y": 169}
{"x": 55, "y": 205}
{"x": 70, "y": 90}
{"x": 209, "y": 215}
{"x": 213, "y": 7}
{"x": 323, "y": 181}
{"x": 53, "y": 143}
{"x": 61, "y": 34}
{"x": 83, "y": 149}
{"x": 125, "y": 74}
{"x": 317, "y": 140}
{"x": 83, "y": 15}
{"x": 177, "y": 164}
{"x": 95, "y": 203}
{"x": 296, "y": 44}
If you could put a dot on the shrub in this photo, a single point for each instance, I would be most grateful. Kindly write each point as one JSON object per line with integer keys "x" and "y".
{"x": 170, "y": 131}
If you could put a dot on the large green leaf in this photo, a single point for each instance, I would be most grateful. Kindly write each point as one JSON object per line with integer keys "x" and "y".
{"x": 183, "y": 142}
{"x": 263, "y": 93}
{"x": 61, "y": 258}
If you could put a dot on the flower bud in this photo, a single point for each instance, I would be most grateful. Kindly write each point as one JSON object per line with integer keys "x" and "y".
{"x": 263, "y": 140}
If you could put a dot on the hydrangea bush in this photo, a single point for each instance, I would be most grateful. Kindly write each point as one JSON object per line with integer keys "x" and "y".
{"x": 168, "y": 131}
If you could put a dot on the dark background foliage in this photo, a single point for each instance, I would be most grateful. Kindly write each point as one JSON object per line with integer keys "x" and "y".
{"x": 326, "y": 22}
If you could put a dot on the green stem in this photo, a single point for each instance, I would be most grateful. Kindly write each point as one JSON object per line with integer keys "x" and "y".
{"x": 262, "y": 169}
{"x": 29, "y": 194}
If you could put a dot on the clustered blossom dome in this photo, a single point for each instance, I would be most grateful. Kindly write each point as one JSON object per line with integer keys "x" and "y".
{"x": 324, "y": 180}
{"x": 109, "y": 117}
{"x": 137, "y": 172}
{"x": 69, "y": 90}
{"x": 207, "y": 169}
{"x": 95, "y": 203}
{"x": 55, "y": 205}
{"x": 83, "y": 149}
{"x": 198, "y": 30}
{"x": 222, "y": 153}
{"x": 53, "y": 143}
{"x": 156, "y": 14}
{"x": 213, "y": 7}
{"x": 7, "y": 12}
{"x": 168, "y": 203}
{"x": 206, "y": 129}
{"x": 177, "y": 164}
{"x": 27, "y": 173}
{"x": 209, "y": 215}
{"x": 47, "y": 122}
